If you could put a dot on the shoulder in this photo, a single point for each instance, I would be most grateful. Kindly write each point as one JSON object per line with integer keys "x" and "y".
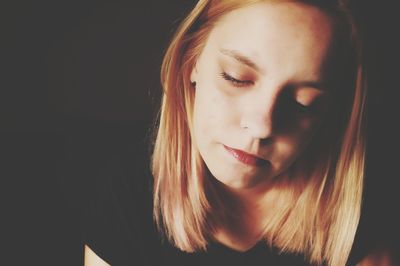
{"x": 377, "y": 240}
{"x": 383, "y": 254}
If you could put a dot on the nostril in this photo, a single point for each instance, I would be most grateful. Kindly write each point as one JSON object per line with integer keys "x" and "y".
{"x": 266, "y": 141}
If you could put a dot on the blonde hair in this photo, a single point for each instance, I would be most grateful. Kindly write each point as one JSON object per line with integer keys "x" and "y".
{"x": 319, "y": 216}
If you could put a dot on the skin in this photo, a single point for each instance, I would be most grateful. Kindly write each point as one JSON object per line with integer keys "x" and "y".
{"x": 259, "y": 89}
{"x": 92, "y": 259}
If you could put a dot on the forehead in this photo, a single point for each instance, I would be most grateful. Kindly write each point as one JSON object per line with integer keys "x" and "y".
{"x": 276, "y": 33}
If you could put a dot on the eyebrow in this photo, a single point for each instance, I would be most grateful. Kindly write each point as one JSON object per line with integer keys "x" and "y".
{"x": 241, "y": 58}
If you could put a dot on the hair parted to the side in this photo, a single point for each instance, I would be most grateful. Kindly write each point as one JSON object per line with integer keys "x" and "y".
{"x": 320, "y": 215}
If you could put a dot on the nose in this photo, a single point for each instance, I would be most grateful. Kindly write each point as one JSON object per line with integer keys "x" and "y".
{"x": 258, "y": 118}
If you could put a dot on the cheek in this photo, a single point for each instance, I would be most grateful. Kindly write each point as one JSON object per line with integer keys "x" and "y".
{"x": 305, "y": 125}
{"x": 213, "y": 112}
{"x": 306, "y": 130}
{"x": 292, "y": 144}
{"x": 205, "y": 111}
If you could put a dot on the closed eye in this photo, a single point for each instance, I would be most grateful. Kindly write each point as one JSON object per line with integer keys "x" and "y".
{"x": 236, "y": 82}
{"x": 292, "y": 105}
{"x": 303, "y": 108}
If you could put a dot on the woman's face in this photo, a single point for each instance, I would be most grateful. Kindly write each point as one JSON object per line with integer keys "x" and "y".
{"x": 260, "y": 90}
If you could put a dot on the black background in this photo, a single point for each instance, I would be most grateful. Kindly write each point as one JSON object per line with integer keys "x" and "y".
{"x": 80, "y": 80}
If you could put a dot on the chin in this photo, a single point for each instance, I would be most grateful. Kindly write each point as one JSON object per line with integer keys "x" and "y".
{"x": 240, "y": 182}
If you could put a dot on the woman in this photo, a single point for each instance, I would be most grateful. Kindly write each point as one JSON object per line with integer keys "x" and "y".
{"x": 260, "y": 144}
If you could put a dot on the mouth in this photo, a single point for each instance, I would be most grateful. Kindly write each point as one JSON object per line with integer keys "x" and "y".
{"x": 246, "y": 158}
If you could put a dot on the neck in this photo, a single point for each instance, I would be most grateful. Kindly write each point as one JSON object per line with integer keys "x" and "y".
{"x": 258, "y": 201}
{"x": 248, "y": 211}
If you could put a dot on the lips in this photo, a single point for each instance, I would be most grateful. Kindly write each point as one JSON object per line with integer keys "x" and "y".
{"x": 245, "y": 157}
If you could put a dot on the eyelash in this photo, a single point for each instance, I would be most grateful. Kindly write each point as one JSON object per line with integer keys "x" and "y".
{"x": 235, "y": 82}
{"x": 302, "y": 109}
{"x": 241, "y": 83}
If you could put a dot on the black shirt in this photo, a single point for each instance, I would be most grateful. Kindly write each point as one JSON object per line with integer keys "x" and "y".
{"x": 118, "y": 225}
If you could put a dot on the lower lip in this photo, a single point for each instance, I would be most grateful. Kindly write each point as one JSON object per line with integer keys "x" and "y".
{"x": 245, "y": 158}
